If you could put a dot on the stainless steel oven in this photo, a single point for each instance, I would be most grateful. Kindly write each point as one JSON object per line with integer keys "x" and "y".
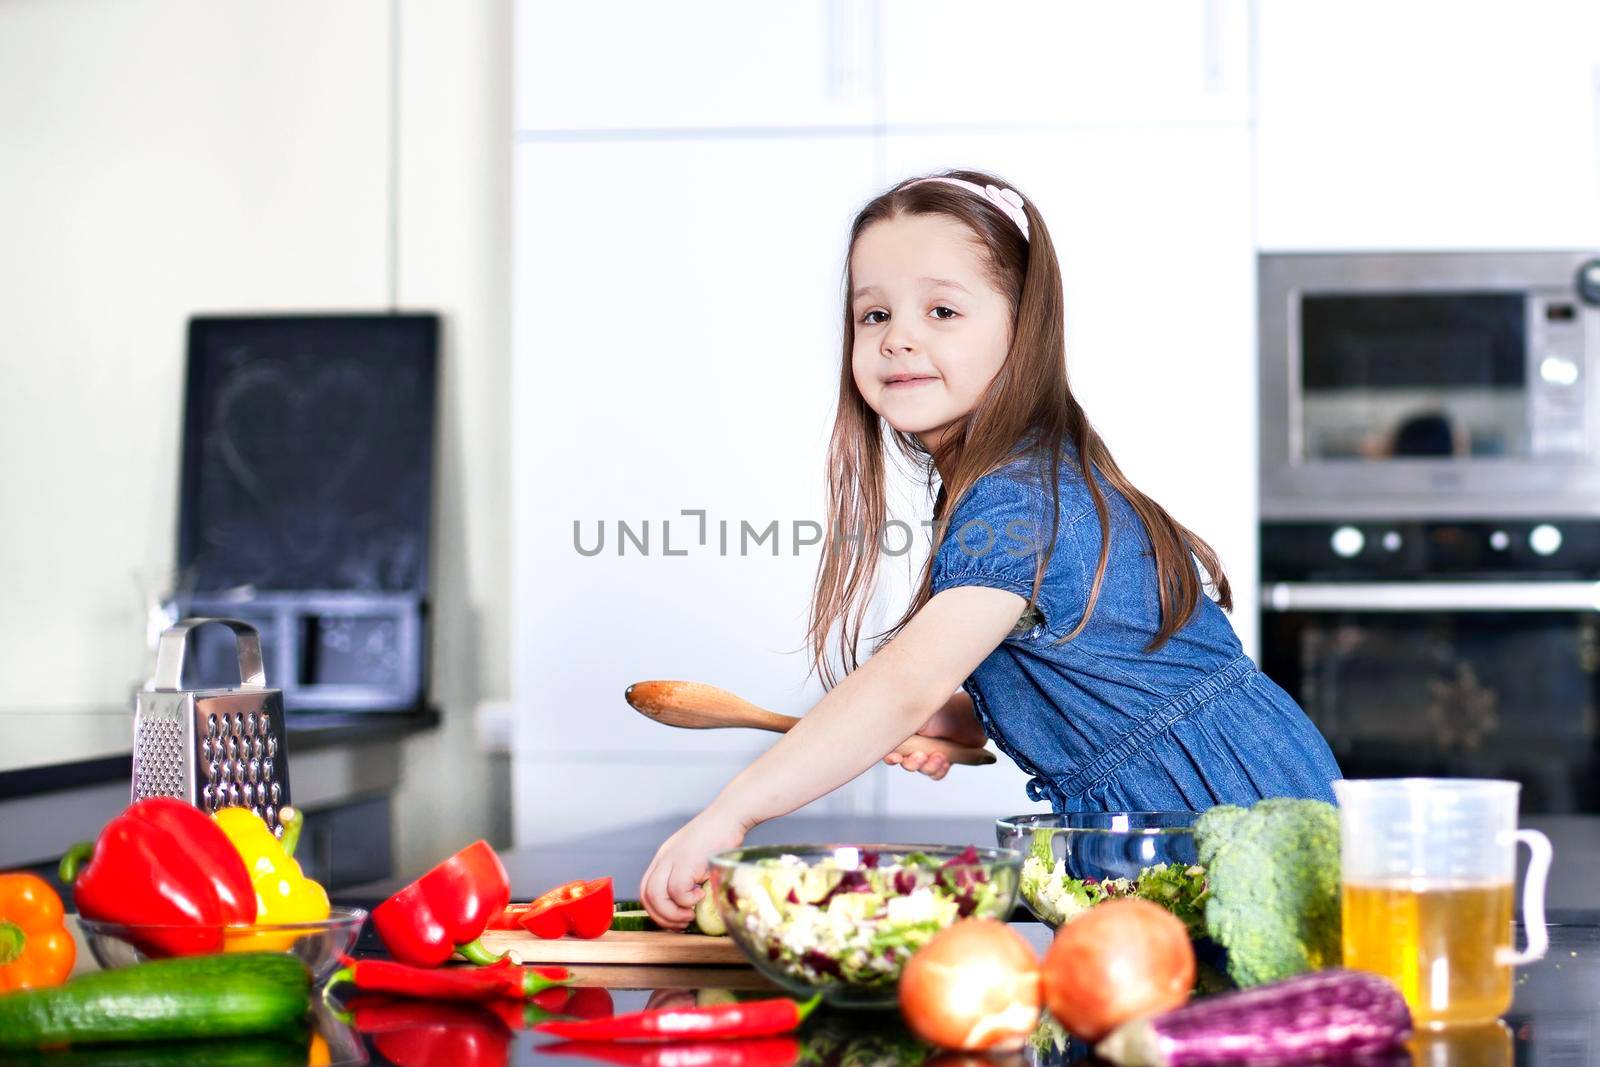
{"x": 1430, "y": 385}
{"x": 1444, "y": 647}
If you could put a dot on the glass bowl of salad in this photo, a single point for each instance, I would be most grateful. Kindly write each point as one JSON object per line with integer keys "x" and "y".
{"x": 842, "y": 920}
{"x": 1074, "y": 861}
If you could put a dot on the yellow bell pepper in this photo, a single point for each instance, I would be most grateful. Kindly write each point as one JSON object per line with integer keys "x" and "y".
{"x": 283, "y": 893}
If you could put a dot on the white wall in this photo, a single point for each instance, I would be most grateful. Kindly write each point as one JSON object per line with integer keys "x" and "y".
{"x": 169, "y": 157}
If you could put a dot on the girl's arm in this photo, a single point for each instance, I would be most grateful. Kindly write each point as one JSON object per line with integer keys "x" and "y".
{"x": 858, "y": 722}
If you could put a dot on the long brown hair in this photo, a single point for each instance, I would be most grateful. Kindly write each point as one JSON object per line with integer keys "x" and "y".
{"x": 1029, "y": 395}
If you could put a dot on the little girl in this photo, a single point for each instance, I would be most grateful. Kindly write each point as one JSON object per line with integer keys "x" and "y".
{"x": 1066, "y": 604}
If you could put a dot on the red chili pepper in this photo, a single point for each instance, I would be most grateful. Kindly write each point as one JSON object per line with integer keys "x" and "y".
{"x": 421, "y": 1033}
{"x": 448, "y": 983}
{"x": 738, "y": 1052}
{"x": 163, "y": 862}
{"x": 582, "y": 909}
{"x": 446, "y": 910}
{"x": 752, "y": 1018}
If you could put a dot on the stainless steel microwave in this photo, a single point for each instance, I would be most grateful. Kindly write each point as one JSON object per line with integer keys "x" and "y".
{"x": 1429, "y": 384}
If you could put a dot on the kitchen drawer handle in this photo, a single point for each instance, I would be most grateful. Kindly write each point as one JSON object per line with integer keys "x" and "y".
{"x": 1431, "y": 596}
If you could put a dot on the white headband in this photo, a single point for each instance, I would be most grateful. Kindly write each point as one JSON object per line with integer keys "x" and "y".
{"x": 1007, "y": 200}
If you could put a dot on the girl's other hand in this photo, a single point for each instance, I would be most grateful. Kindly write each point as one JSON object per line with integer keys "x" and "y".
{"x": 954, "y": 721}
{"x": 671, "y": 886}
{"x": 933, "y": 764}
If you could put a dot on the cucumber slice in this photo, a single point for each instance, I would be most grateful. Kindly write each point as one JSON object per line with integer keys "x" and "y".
{"x": 633, "y": 920}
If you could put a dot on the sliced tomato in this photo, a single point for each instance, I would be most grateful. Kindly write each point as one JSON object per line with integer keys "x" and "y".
{"x": 583, "y": 909}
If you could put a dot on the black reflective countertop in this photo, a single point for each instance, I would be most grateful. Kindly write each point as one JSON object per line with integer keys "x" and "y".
{"x": 1555, "y": 1018}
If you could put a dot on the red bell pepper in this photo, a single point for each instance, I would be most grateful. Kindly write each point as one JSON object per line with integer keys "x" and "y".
{"x": 446, "y": 910}
{"x": 582, "y": 909}
{"x": 751, "y": 1018}
{"x": 510, "y": 918}
{"x": 163, "y": 862}
{"x": 422, "y": 1033}
{"x": 447, "y": 983}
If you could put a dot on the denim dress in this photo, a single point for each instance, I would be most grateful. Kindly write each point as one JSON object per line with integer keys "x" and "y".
{"x": 1099, "y": 723}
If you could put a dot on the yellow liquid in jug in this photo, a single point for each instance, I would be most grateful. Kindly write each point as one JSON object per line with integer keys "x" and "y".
{"x": 1437, "y": 941}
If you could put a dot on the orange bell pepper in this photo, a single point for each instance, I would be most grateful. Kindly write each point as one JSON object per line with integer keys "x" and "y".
{"x": 36, "y": 950}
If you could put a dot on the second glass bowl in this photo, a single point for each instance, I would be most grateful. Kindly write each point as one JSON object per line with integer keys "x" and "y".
{"x": 1098, "y": 847}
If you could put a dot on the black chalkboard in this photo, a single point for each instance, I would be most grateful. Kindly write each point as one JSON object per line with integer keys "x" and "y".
{"x": 308, "y": 453}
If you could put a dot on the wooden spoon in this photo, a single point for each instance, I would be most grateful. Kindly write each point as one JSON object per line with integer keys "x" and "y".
{"x": 698, "y": 706}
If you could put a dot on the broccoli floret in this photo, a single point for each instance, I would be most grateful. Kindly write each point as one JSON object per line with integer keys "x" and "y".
{"x": 1273, "y": 886}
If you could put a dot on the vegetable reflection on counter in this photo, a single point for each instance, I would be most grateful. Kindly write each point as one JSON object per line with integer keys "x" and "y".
{"x": 783, "y": 1051}
{"x": 446, "y": 910}
{"x": 232, "y": 1052}
{"x": 751, "y": 1018}
{"x": 420, "y": 1033}
{"x": 163, "y": 862}
{"x": 411, "y": 1033}
{"x": 36, "y": 949}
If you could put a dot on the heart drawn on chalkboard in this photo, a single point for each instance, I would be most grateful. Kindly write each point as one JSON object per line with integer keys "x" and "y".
{"x": 294, "y": 444}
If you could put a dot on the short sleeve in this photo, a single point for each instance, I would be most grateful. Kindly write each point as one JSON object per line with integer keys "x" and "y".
{"x": 995, "y": 538}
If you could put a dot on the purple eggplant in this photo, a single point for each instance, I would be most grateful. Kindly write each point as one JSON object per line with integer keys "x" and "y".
{"x": 1329, "y": 1015}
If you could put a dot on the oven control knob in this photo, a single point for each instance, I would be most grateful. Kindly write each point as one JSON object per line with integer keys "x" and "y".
{"x": 1544, "y": 539}
{"x": 1347, "y": 542}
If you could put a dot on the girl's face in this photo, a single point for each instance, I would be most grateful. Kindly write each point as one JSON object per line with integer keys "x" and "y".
{"x": 930, "y": 330}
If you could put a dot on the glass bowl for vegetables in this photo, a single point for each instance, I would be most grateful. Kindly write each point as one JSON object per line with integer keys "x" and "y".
{"x": 1074, "y": 861}
{"x": 318, "y": 944}
{"x": 842, "y": 920}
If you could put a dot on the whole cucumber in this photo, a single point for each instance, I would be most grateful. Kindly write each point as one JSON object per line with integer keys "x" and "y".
{"x": 192, "y": 997}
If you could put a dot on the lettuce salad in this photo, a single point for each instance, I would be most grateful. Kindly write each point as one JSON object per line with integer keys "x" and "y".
{"x": 1057, "y": 897}
{"x": 857, "y": 923}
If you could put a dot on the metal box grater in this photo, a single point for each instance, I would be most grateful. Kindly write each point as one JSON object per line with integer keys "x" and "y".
{"x": 215, "y": 748}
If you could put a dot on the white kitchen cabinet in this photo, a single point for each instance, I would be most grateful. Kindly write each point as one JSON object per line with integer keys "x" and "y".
{"x": 1428, "y": 124}
{"x": 636, "y": 65}
{"x": 1026, "y": 62}
{"x": 676, "y": 346}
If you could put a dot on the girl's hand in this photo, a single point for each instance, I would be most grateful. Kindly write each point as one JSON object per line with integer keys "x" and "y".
{"x": 954, "y": 721}
{"x": 671, "y": 886}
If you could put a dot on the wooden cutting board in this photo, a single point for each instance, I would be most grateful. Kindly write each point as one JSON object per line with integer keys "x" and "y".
{"x": 619, "y": 946}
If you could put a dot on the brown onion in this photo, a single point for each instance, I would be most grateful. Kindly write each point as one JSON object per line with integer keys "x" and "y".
{"x": 974, "y": 986}
{"x": 1120, "y": 960}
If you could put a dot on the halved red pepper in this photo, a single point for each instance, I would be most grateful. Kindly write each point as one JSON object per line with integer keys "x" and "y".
{"x": 446, "y": 910}
{"x": 582, "y": 909}
{"x": 163, "y": 862}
